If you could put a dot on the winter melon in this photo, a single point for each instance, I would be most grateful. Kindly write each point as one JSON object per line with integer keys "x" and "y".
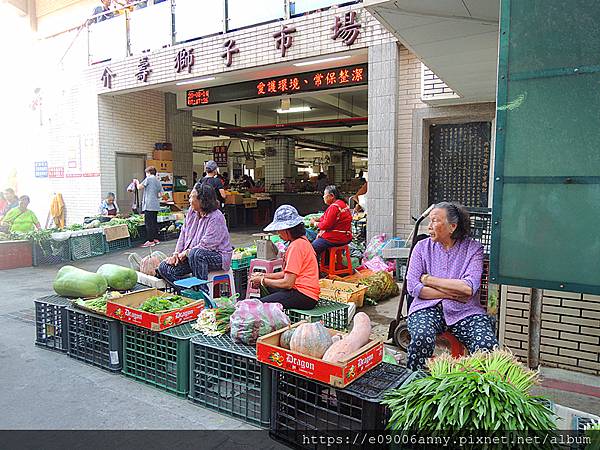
{"x": 118, "y": 277}
{"x": 73, "y": 282}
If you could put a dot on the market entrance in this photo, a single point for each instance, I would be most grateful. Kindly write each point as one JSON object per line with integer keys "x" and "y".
{"x": 284, "y": 149}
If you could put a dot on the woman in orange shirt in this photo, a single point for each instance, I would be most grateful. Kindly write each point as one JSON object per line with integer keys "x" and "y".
{"x": 297, "y": 286}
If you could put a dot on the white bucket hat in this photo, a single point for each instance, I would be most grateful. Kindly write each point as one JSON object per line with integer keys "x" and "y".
{"x": 286, "y": 217}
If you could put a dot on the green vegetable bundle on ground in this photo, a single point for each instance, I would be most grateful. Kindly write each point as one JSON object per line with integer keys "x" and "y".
{"x": 380, "y": 286}
{"x": 483, "y": 392}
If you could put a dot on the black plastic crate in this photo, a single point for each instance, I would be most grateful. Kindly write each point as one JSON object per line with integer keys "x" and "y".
{"x": 51, "y": 325}
{"x": 118, "y": 244}
{"x": 303, "y": 405}
{"x": 164, "y": 235}
{"x": 580, "y": 424}
{"x": 51, "y": 252}
{"x": 95, "y": 339}
{"x": 226, "y": 377}
{"x": 161, "y": 359}
{"x": 240, "y": 279}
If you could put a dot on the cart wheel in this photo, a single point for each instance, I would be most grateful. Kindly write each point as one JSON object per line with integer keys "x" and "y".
{"x": 401, "y": 336}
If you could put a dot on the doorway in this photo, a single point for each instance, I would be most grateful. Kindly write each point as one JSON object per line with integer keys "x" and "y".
{"x": 129, "y": 166}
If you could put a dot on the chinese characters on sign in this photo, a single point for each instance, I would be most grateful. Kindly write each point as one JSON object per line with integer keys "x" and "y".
{"x": 184, "y": 60}
{"x": 348, "y": 30}
{"x": 229, "y": 52}
{"x": 197, "y": 97}
{"x": 283, "y": 38}
{"x": 354, "y": 75}
{"x": 220, "y": 155}
{"x": 143, "y": 69}
{"x": 107, "y": 77}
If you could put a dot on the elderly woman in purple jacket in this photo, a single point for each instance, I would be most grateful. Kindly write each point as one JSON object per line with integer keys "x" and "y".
{"x": 204, "y": 245}
{"x": 444, "y": 276}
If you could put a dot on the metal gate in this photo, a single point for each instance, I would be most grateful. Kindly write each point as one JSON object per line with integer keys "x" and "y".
{"x": 459, "y": 163}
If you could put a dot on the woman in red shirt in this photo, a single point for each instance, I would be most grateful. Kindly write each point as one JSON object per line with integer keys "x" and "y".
{"x": 334, "y": 226}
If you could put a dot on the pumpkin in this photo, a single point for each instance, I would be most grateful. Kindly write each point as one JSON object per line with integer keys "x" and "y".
{"x": 74, "y": 282}
{"x": 311, "y": 339}
{"x": 359, "y": 336}
{"x": 286, "y": 337}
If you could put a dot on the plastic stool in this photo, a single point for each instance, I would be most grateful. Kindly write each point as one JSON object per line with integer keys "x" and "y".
{"x": 335, "y": 267}
{"x": 449, "y": 341}
{"x": 262, "y": 266}
{"x": 219, "y": 278}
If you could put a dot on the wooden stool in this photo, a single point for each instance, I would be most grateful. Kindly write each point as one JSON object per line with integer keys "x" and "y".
{"x": 335, "y": 267}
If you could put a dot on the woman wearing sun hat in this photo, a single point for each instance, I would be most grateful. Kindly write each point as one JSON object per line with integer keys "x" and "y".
{"x": 297, "y": 286}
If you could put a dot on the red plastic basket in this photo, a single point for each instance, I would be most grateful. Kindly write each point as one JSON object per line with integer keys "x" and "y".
{"x": 15, "y": 254}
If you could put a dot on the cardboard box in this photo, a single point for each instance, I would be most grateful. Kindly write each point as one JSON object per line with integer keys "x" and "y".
{"x": 116, "y": 232}
{"x": 160, "y": 165}
{"x": 167, "y": 195}
{"x": 343, "y": 292}
{"x": 165, "y": 178}
{"x": 338, "y": 375}
{"x": 250, "y": 202}
{"x": 234, "y": 199}
{"x": 164, "y": 155}
{"x": 181, "y": 197}
{"x": 125, "y": 310}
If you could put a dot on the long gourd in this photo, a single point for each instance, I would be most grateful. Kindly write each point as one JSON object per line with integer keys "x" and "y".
{"x": 354, "y": 340}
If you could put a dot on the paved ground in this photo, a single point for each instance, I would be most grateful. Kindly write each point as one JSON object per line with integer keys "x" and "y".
{"x": 47, "y": 390}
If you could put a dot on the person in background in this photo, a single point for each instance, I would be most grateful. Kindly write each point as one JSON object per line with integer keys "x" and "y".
{"x": 444, "y": 277}
{"x": 204, "y": 244}
{"x": 297, "y": 286}
{"x": 247, "y": 182}
{"x": 362, "y": 191}
{"x": 150, "y": 204}
{"x": 225, "y": 180}
{"x": 105, "y": 8}
{"x": 322, "y": 182}
{"x": 12, "y": 201}
{"x": 21, "y": 219}
{"x": 109, "y": 206}
{"x": 361, "y": 177}
{"x": 3, "y": 202}
{"x": 213, "y": 180}
{"x": 135, "y": 202}
{"x": 335, "y": 225}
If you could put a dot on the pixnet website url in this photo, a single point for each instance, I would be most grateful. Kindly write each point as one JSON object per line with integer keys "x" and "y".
{"x": 362, "y": 439}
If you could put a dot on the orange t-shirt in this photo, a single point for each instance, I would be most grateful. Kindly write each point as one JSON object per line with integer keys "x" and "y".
{"x": 301, "y": 260}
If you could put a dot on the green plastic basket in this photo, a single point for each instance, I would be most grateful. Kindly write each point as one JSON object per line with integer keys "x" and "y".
{"x": 226, "y": 377}
{"x": 87, "y": 246}
{"x": 118, "y": 244}
{"x": 161, "y": 359}
{"x": 333, "y": 314}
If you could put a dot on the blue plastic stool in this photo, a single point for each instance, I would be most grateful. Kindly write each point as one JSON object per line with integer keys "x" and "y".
{"x": 190, "y": 288}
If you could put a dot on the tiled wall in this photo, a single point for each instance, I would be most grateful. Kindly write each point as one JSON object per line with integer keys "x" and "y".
{"x": 179, "y": 133}
{"x": 128, "y": 123}
{"x": 570, "y": 328}
{"x": 433, "y": 87}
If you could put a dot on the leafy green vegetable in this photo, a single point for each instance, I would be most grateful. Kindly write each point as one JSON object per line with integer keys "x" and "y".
{"x": 166, "y": 303}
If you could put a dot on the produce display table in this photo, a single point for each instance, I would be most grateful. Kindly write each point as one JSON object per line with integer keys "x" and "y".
{"x": 15, "y": 254}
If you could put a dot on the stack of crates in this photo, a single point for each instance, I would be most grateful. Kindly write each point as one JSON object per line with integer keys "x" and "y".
{"x": 226, "y": 377}
{"x": 332, "y": 314}
{"x": 95, "y": 339}
{"x": 51, "y": 322}
{"x": 161, "y": 359}
{"x": 87, "y": 243}
{"x": 303, "y": 406}
{"x": 240, "y": 279}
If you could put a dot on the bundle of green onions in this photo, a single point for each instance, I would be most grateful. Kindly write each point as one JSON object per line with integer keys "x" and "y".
{"x": 215, "y": 321}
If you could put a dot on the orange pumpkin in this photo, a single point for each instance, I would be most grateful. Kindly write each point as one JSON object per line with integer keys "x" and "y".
{"x": 311, "y": 339}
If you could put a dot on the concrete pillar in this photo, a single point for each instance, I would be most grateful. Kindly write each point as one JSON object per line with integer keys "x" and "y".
{"x": 382, "y": 129}
{"x": 347, "y": 173}
{"x": 279, "y": 161}
{"x": 178, "y": 130}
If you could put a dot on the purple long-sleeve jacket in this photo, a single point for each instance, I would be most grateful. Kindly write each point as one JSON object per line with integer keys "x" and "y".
{"x": 464, "y": 261}
{"x": 208, "y": 232}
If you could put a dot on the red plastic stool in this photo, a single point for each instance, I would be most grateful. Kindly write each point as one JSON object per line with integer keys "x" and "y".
{"x": 447, "y": 340}
{"x": 335, "y": 267}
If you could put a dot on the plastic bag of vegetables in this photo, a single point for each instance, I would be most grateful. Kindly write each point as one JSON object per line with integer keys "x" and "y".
{"x": 380, "y": 286}
{"x": 253, "y": 318}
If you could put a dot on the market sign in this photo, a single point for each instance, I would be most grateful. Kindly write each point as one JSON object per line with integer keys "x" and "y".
{"x": 320, "y": 80}
{"x": 220, "y": 155}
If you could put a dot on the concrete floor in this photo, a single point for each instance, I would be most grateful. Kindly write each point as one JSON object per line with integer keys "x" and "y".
{"x": 47, "y": 390}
